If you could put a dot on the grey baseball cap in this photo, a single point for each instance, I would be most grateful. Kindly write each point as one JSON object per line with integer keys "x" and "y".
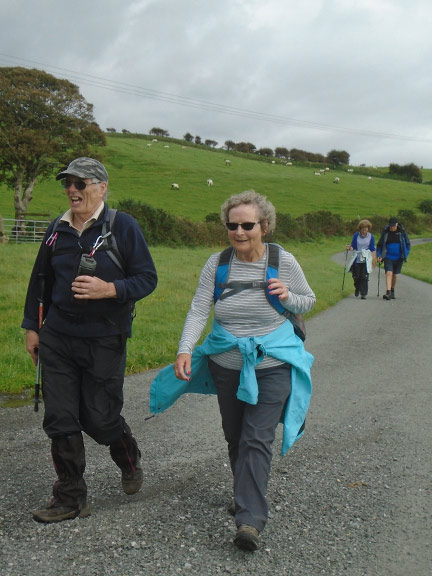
{"x": 85, "y": 168}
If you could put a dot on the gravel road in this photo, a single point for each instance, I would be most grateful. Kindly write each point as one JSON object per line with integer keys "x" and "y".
{"x": 352, "y": 498}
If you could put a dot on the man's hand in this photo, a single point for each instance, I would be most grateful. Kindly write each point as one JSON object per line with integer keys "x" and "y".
{"x": 32, "y": 344}
{"x": 92, "y": 288}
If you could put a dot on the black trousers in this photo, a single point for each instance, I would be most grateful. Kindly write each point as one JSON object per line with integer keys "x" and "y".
{"x": 82, "y": 388}
{"x": 361, "y": 277}
{"x": 82, "y": 385}
{"x": 250, "y": 431}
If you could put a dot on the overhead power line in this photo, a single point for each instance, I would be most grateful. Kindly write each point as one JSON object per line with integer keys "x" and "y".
{"x": 141, "y": 92}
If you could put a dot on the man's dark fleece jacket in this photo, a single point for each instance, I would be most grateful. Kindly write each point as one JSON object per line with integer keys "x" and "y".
{"x": 90, "y": 318}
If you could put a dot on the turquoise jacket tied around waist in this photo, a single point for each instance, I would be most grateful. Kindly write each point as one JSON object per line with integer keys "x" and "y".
{"x": 281, "y": 344}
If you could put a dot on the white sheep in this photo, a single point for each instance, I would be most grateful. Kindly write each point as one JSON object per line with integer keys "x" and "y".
{"x": 317, "y": 173}
{"x": 289, "y": 163}
{"x": 336, "y": 180}
{"x": 175, "y": 186}
{"x": 209, "y": 182}
{"x": 228, "y": 162}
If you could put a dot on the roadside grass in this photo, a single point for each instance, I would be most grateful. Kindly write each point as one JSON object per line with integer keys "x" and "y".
{"x": 419, "y": 263}
{"x": 160, "y": 317}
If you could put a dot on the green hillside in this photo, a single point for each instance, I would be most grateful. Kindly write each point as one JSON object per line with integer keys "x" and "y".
{"x": 144, "y": 172}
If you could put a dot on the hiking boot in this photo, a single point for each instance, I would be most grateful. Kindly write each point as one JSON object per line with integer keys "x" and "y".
{"x": 356, "y": 293}
{"x": 55, "y": 512}
{"x": 132, "y": 479}
{"x": 363, "y": 297}
{"x": 392, "y": 294}
{"x": 246, "y": 537}
{"x": 387, "y": 295}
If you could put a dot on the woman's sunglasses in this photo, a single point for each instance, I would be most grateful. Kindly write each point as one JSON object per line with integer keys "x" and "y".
{"x": 79, "y": 184}
{"x": 246, "y": 225}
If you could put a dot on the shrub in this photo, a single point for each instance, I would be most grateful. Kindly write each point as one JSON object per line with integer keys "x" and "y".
{"x": 425, "y": 206}
{"x": 322, "y": 222}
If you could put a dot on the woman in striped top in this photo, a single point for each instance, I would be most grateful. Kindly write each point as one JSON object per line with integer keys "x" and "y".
{"x": 247, "y": 316}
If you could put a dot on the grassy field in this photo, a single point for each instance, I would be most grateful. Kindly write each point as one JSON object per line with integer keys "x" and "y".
{"x": 145, "y": 173}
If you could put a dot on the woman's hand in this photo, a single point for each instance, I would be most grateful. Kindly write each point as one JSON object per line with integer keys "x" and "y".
{"x": 278, "y": 288}
{"x": 182, "y": 367}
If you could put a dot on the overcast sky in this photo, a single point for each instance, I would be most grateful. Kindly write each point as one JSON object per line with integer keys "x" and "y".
{"x": 352, "y": 75}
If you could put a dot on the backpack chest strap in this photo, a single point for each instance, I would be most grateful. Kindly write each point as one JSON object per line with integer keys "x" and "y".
{"x": 237, "y": 286}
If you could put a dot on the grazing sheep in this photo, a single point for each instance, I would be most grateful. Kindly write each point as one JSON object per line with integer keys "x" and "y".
{"x": 317, "y": 173}
{"x": 166, "y": 146}
{"x": 154, "y": 140}
{"x": 209, "y": 182}
{"x": 336, "y": 180}
{"x": 289, "y": 163}
{"x": 369, "y": 177}
{"x": 228, "y": 162}
{"x": 175, "y": 186}
{"x": 350, "y": 170}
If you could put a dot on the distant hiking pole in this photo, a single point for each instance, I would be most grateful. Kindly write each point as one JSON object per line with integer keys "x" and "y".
{"x": 343, "y": 281}
{"x": 379, "y": 270}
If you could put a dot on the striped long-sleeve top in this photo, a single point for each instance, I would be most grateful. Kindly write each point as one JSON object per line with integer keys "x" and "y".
{"x": 247, "y": 313}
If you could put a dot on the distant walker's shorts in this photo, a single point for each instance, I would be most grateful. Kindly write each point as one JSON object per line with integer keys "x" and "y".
{"x": 394, "y": 266}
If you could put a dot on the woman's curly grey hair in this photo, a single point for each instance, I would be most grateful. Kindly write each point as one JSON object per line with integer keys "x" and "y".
{"x": 266, "y": 210}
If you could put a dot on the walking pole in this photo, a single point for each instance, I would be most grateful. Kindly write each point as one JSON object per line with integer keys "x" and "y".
{"x": 343, "y": 281}
{"x": 379, "y": 270}
{"x": 40, "y": 322}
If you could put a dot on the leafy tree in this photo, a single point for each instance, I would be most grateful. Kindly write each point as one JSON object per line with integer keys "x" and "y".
{"x": 281, "y": 152}
{"x": 265, "y": 152}
{"x": 159, "y": 132}
{"x": 188, "y": 137}
{"x": 337, "y": 157}
{"x": 245, "y": 147}
{"x": 211, "y": 143}
{"x": 111, "y": 130}
{"x": 409, "y": 172}
{"x": 197, "y": 139}
{"x": 44, "y": 124}
{"x": 230, "y": 145}
{"x": 298, "y": 155}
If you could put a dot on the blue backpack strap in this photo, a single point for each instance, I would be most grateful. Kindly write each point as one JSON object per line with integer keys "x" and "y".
{"x": 273, "y": 272}
{"x": 222, "y": 272}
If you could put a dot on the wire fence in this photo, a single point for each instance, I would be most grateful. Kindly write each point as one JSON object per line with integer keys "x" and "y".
{"x": 18, "y": 231}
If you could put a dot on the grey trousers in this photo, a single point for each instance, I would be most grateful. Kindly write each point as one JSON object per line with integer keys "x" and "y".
{"x": 250, "y": 431}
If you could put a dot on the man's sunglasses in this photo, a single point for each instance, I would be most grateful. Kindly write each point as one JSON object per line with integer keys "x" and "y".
{"x": 79, "y": 184}
{"x": 246, "y": 225}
